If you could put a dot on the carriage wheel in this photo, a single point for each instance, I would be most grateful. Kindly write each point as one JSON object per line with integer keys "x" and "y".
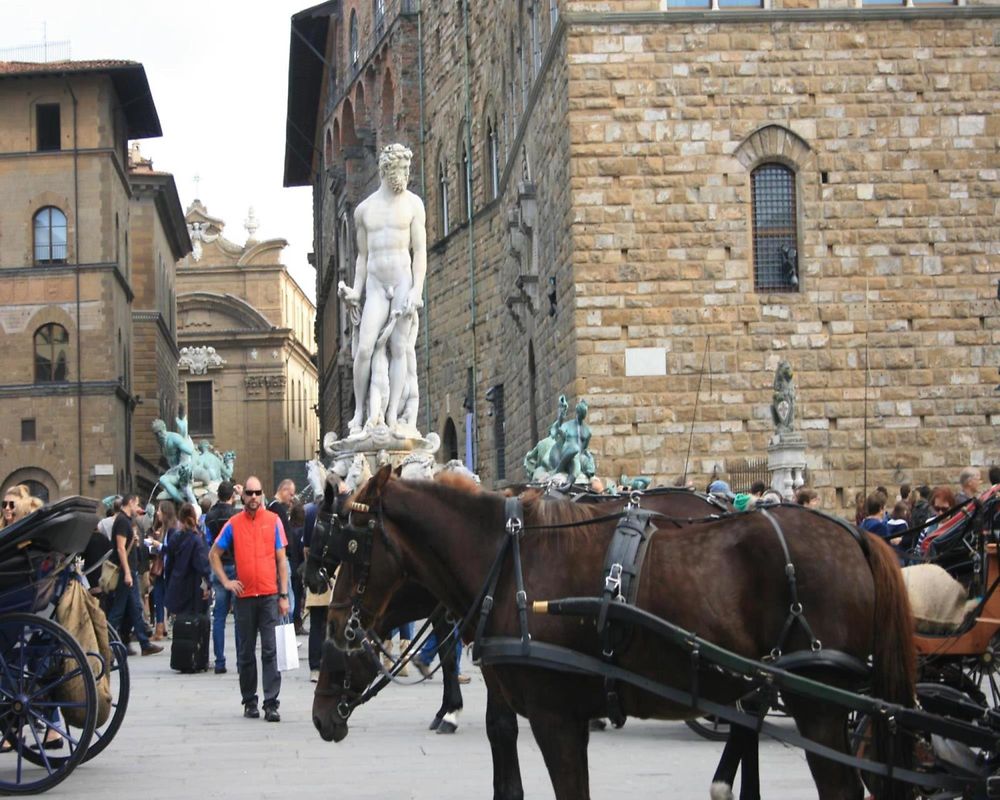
{"x": 103, "y": 734}
{"x": 983, "y": 672}
{"x": 710, "y": 727}
{"x": 39, "y": 661}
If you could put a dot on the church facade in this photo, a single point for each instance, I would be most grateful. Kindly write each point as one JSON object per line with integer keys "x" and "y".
{"x": 651, "y": 204}
{"x": 247, "y": 375}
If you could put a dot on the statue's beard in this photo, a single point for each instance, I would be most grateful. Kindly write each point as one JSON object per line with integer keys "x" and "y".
{"x": 397, "y": 183}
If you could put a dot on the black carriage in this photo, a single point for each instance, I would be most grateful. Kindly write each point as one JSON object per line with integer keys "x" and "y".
{"x": 51, "y": 715}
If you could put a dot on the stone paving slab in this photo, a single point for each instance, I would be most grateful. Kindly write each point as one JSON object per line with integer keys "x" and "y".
{"x": 184, "y": 736}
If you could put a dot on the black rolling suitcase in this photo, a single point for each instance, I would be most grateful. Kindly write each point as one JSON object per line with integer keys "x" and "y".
{"x": 190, "y": 643}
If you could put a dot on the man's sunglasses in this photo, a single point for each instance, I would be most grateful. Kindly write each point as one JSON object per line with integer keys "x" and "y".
{"x": 253, "y": 492}
{"x": 9, "y": 504}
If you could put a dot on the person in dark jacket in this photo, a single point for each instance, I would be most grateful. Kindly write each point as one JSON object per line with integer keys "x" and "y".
{"x": 187, "y": 566}
{"x": 217, "y": 516}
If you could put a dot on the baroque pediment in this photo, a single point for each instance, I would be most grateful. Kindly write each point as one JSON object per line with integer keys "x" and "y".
{"x": 214, "y": 312}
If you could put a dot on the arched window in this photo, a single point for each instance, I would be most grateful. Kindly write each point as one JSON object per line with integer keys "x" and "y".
{"x": 775, "y": 235}
{"x": 443, "y": 192}
{"x": 51, "y": 353}
{"x": 466, "y": 179}
{"x": 378, "y": 14}
{"x": 493, "y": 156}
{"x": 353, "y": 44}
{"x": 449, "y": 443}
{"x": 50, "y": 236}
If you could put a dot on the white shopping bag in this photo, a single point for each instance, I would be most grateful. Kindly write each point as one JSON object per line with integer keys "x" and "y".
{"x": 288, "y": 650}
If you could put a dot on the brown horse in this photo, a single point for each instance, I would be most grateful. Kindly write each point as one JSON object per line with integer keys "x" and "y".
{"x": 344, "y": 676}
{"x": 724, "y": 579}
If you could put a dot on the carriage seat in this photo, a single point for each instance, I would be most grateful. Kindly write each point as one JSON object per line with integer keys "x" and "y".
{"x": 940, "y": 603}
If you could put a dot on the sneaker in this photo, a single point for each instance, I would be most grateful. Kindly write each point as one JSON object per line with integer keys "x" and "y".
{"x": 314, "y": 676}
{"x": 464, "y": 679}
{"x": 423, "y": 666}
{"x": 272, "y": 715}
{"x": 151, "y": 649}
{"x": 250, "y": 711}
{"x": 220, "y": 670}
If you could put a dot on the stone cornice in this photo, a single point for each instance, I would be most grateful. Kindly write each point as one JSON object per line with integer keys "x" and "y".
{"x": 765, "y": 15}
{"x": 146, "y": 315}
{"x": 64, "y": 389}
{"x": 34, "y": 270}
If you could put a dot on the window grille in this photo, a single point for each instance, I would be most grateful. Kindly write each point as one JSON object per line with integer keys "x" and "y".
{"x": 50, "y": 236}
{"x": 775, "y": 253}
{"x": 199, "y": 395}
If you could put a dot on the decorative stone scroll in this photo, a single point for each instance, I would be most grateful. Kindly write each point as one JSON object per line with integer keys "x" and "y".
{"x": 199, "y": 360}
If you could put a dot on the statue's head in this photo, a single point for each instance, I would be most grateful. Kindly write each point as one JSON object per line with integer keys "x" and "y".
{"x": 204, "y": 445}
{"x": 229, "y": 457}
{"x": 394, "y": 166}
{"x": 783, "y": 374}
{"x": 581, "y": 409}
{"x": 159, "y": 427}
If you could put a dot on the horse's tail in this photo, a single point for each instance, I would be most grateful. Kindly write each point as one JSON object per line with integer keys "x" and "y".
{"x": 893, "y": 657}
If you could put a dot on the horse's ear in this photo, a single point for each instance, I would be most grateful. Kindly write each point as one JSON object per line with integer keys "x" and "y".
{"x": 381, "y": 479}
{"x": 398, "y": 472}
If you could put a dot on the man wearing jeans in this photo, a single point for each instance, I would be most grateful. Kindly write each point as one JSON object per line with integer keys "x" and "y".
{"x": 217, "y": 516}
{"x": 126, "y": 600}
{"x": 257, "y": 542}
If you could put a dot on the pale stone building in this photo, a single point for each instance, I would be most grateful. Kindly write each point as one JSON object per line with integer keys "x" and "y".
{"x": 255, "y": 392}
{"x": 80, "y": 242}
{"x": 649, "y": 203}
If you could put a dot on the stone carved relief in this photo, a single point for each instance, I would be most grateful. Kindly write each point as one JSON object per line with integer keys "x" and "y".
{"x": 199, "y": 360}
{"x": 255, "y": 384}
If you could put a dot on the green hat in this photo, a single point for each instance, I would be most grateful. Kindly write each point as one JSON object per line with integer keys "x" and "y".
{"x": 742, "y": 502}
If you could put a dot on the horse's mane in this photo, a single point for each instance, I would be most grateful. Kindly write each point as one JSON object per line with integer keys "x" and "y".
{"x": 456, "y": 480}
{"x": 542, "y": 510}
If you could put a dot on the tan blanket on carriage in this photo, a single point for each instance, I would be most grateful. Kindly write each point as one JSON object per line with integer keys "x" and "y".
{"x": 939, "y": 602}
{"x": 80, "y": 614}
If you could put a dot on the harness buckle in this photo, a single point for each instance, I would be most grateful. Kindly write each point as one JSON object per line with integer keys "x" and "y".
{"x": 815, "y": 645}
{"x": 522, "y": 599}
{"x": 487, "y": 604}
{"x": 515, "y": 525}
{"x": 613, "y": 583}
{"x": 634, "y": 499}
{"x": 795, "y": 609}
{"x": 344, "y": 710}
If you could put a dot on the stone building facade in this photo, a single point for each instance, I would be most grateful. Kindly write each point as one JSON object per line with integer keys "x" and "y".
{"x": 255, "y": 391}
{"x": 158, "y": 239}
{"x": 69, "y": 269}
{"x": 650, "y": 206}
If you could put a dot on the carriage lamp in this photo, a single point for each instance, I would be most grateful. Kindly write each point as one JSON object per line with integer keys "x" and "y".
{"x": 552, "y": 296}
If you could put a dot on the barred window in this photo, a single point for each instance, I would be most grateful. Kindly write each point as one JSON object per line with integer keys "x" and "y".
{"x": 199, "y": 395}
{"x": 775, "y": 253}
{"x": 50, "y": 236}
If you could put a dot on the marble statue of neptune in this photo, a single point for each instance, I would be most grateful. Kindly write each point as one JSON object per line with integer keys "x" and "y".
{"x": 389, "y": 278}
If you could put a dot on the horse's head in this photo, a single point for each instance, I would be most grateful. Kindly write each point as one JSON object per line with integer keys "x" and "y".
{"x": 342, "y": 680}
{"x": 371, "y": 564}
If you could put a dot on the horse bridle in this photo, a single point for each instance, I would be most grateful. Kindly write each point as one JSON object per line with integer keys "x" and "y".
{"x": 348, "y": 543}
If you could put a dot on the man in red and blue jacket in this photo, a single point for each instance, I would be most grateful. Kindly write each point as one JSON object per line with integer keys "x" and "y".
{"x": 257, "y": 541}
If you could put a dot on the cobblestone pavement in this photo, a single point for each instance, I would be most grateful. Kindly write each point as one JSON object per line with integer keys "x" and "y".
{"x": 184, "y": 737}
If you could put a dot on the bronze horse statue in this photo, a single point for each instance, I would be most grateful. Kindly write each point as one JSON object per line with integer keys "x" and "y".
{"x": 723, "y": 578}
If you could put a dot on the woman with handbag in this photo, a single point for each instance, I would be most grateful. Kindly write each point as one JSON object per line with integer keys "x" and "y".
{"x": 164, "y": 527}
{"x": 187, "y": 570}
